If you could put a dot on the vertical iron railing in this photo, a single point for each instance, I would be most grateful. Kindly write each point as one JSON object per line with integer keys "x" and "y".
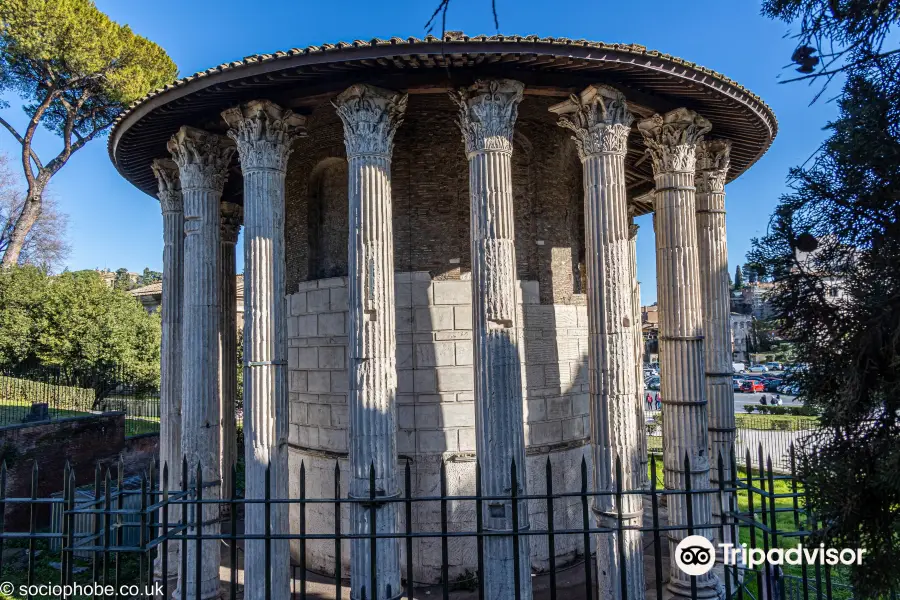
{"x": 769, "y": 508}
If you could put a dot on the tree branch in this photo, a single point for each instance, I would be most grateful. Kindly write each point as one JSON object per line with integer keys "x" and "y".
{"x": 21, "y": 141}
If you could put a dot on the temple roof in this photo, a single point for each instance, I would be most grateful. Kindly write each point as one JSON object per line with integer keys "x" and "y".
{"x": 652, "y": 81}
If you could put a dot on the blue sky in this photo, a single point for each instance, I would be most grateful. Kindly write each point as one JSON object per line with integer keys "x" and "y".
{"x": 114, "y": 225}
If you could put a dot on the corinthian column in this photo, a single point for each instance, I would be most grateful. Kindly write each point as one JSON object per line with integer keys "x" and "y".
{"x": 712, "y": 166}
{"x": 172, "y": 205}
{"x": 203, "y": 162}
{"x": 601, "y": 122}
{"x": 671, "y": 141}
{"x": 371, "y": 117}
{"x": 638, "y": 352}
{"x": 231, "y": 216}
{"x": 264, "y": 133}
{"x": 487, "y": 115}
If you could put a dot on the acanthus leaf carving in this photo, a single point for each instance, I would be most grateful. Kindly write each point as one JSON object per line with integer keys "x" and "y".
{"x": 202, "y": 158}
{"x": 231, "y": 217}
{"x": 487, "y": 114}
{"x": 671, "y": 139}
{"x": 371, "y": 117}
{"x": 169, "y": 182}
{"x": 713, "y": 158}
{"x": 600, "y": 119}
{"x": 263, "y": 132}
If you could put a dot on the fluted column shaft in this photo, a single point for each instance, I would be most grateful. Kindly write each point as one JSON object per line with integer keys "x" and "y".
{"x": 601, "y": 123}
{"x": 231, "y": 216}
{"x": 371, "y": 117}
{"x": 672, "y": 141}
{"x": 487, "y": 117}
{"x": 171, "y": 312}
{"x": 712, "y": 167}
{"x": 264, "y": 133}
{"x": 638, "y": 354}
{"x": 202, "y": 160}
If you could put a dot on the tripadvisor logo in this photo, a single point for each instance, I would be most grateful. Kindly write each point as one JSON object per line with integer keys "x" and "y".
{"x": 696, "y": 555}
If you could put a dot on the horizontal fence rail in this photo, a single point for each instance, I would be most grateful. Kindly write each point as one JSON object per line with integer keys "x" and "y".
{"x": 113, "y": 531}
{"x": 45, "y": 393}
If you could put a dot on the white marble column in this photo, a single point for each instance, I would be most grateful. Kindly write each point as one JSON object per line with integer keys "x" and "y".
{"x": 203, "y": 160}
{"x": 712, "y": 167}
{"x": 371, "y": 117}
{"x": 264, "y": 133}
{"x": 231, "y": 217}
{"x": 171, "y": 311}
{"x": 671, "y": 141}
{"x": 601, "y": 122}
{"x": 638, "y": 352}
{"x": 487, "y": 116}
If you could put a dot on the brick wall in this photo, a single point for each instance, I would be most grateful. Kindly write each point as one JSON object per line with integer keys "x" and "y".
{"x": 429, "y": 187}
{"x": 88, "y": 441}
{"x": 435, "y": 402}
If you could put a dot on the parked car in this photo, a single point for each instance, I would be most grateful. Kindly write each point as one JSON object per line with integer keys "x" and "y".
{"x": 788, "y": 389}
{"x": 738, "y": 367}
{"x": 772, "y": 384}
{"x": 773, "y": 366}
{"x": 653, "y": 383}
{"x": 751, "y": 387}
{"x": 737, "y": 384}
{"x": 759, "y": 369}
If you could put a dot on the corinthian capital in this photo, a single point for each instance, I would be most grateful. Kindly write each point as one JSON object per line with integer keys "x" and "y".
{"x": 264, "y": 133}
{"x": 202, "y": 158}
{"x": 672, "y": 139}
{"x": 371, "y": 117}
{"x": 487, "y": 114}
{"x": 712, "y": 165}
{"x": 600, "y": 119}
{"x": 231, "y": 216}
{"x": 166, "y": 172}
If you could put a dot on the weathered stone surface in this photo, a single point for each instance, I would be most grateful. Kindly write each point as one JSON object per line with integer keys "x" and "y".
{"x": 264, "y": 133}
{"x": 172, "y": 312}
{"x": 202, "y": 160}
{"x": 487, "y": 116}
{"x": 231, "y": 217}
{"x": 601, "y": 123}
{"x": 672, "y": 140}
{"x": 371, "y": 117}
{"x": 712, "y": 168}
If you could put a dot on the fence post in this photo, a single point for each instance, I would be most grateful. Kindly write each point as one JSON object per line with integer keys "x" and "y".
{"x": 445, "y": 575}
{"x": 551, "y": 537}
{"x": 337, "y": 529}
{"x": 479, "y": 527}
{"x": 2, "y": 511}
{"x": 657, "y": 543}
{"x": 233, "y": 550}
{"x": 32, "y": 524}
{"x": 302, "y": 530}
{"x": 586, "y": 529}
{"x": 407, "y": 475}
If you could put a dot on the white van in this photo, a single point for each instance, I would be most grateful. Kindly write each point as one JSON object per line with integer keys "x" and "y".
{"x": 738, "y": 367}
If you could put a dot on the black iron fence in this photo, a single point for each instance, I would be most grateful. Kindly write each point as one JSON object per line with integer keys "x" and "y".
{"x": 111, "y": 533}
{"x": 35, "y": 394}
{"x": 776, "y": 435}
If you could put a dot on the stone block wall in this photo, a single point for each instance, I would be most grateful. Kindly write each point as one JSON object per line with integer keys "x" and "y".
{"x": 435, "y": 407}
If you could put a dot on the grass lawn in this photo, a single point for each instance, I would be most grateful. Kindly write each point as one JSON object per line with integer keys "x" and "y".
{"x": 777, "y": 422}
{"x": 786, "y": 523}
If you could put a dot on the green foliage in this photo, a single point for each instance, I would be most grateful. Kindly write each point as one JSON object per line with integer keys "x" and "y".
{"x": 841, "y": 223}
{"x": 70, "y": 47}
{"x": 76, "y": 322}
{"x": 749, "y": 408}
{"x": 148, "y": 277}
{"x": 738, "y": 277}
